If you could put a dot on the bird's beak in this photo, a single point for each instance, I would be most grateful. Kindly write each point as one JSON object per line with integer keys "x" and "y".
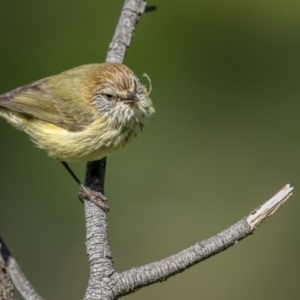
{"x": 130, "y": 98}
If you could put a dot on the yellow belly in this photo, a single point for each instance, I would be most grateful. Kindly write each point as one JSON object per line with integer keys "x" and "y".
{"x": 92, "y": 143}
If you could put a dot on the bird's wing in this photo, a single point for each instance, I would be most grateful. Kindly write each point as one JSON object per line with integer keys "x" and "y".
{"x": 46, "y": 100}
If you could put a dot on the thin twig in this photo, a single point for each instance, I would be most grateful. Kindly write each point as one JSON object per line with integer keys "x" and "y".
{"x": 19, "y": 280}
{"x": 150, "y": 8}
{"x": 130, "y": 16}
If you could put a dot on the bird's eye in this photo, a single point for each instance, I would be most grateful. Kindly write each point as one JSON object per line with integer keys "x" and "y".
{"x": 108, "y": 96}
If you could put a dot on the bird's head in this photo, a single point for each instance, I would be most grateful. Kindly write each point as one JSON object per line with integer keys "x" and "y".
{"x": 119, "y": 95}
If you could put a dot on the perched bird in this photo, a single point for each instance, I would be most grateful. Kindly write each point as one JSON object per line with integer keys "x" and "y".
{"x": 82, "y": 114}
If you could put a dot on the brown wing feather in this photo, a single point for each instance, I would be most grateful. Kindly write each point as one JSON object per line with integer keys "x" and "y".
{"x": 37, "y": 100}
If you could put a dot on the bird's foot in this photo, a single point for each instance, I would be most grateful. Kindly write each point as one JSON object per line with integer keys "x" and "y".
{"x": 95, "y": 197}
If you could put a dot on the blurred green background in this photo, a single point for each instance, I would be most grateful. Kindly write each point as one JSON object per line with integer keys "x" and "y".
{"x": 225, "y": 78}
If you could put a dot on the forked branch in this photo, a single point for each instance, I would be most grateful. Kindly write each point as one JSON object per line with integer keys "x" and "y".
{"x": 104, "y": 282}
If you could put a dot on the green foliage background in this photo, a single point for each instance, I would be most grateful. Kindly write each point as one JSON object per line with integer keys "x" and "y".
{"x": 225, "y": 138}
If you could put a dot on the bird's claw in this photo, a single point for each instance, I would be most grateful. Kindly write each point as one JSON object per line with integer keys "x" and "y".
{"x": 96, "y": 197}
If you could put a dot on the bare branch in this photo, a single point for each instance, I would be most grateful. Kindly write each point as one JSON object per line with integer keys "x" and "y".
{"x": 16, "y": 274}
{"x": 137, "y": 278}
{"x": 130, "y": 15}
{"x": 98, "y": 249}
{"x": 6, "y": 285}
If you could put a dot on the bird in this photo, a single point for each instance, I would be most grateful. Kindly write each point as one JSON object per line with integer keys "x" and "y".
{"x": 82, "y": 114}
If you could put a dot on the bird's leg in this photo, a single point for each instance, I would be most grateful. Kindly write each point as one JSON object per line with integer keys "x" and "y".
{"x": 86, "y": 193}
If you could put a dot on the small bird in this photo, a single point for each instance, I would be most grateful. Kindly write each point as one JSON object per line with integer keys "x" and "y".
{"x": 82, "y": 114}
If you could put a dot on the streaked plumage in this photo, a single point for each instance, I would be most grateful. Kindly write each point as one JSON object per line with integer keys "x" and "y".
{"x": 82, "y": 114}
